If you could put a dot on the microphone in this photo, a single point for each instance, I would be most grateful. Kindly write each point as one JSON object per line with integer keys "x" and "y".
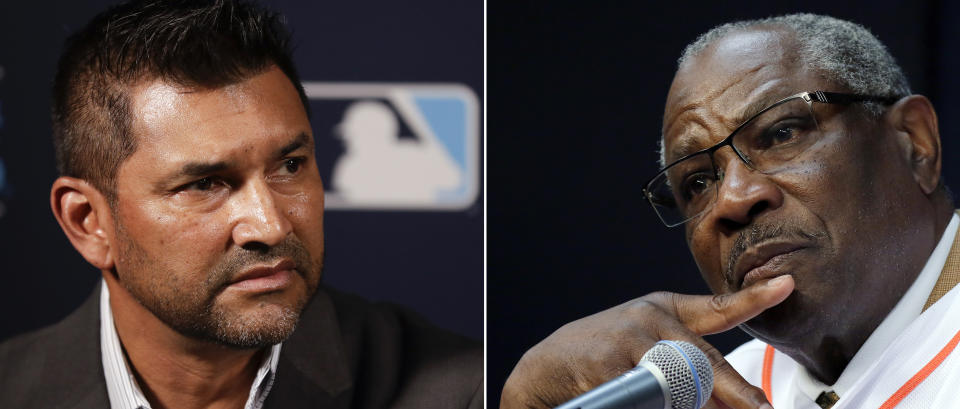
{"x": 671, "y": 375}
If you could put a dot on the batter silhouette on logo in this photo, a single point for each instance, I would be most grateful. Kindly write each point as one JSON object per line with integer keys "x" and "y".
{"x": 380, "y": 167}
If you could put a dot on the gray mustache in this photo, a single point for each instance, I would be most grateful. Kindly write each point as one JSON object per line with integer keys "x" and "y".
{"x": 759, "y": 233}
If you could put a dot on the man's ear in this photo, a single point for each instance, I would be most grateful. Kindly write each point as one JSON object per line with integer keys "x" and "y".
{"x": 84, "y": 215}
{"x": 915, "y": 119}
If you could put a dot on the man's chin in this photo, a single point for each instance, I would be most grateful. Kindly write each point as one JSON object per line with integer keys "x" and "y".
{"x": 781, "y": 324}
{"x": 267, "y": 325}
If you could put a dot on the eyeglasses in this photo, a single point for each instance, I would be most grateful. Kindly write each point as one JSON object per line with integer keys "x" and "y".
{"x": 766, "y": 143}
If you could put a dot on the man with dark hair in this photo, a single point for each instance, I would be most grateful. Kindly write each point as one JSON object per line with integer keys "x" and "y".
{"x": 807, "y": 179}
{"x": 188, "y": 178}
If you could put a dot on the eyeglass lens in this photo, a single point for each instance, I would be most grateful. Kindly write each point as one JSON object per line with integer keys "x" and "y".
{"x": 766, "y": 143}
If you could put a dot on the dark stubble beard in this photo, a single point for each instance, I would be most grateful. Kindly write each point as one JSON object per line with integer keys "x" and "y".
{"x": 195, "y": 313}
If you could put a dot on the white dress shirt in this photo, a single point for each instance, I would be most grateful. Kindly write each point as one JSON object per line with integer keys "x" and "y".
{"x": 122, "y": 386}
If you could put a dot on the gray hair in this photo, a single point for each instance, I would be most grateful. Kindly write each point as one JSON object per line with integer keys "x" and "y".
{"x": 843, "y": 52}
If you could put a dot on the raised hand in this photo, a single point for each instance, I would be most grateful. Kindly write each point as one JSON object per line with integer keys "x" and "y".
{"x": 585, "y": 353}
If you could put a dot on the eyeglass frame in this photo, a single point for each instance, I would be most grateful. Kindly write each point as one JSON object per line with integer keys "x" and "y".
{"x": 825, "y": 97}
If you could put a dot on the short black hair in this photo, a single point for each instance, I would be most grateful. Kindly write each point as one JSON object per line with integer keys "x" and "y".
{"x": 205, "y": 44}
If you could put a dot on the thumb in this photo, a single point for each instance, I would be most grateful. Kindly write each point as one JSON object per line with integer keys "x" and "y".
{"x": 710, "y": 314}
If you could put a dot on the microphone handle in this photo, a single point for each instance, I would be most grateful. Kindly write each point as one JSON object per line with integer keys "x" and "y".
{"x": 642, "y": 387}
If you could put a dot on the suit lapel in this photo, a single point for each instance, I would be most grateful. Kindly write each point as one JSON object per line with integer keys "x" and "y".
{"x": 313, "y": 370}
{"x": 70, "y": 365}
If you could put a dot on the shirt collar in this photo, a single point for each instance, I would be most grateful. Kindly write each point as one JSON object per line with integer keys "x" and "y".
{"x": 906, "y": 311}
{"x": 122, "y": 387}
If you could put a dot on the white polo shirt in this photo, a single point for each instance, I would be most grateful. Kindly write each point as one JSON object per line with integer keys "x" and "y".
{"x": 795, "y": 388}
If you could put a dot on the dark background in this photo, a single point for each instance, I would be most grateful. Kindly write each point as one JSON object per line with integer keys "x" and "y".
{"x": 430, "y": 261}
{"x": 576, "y": 93}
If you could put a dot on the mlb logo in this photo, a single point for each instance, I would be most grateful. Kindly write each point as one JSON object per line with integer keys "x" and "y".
{"x": 396, "y": 146}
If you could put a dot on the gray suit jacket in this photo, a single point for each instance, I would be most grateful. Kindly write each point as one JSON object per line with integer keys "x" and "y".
{"x": 346, "y": 353}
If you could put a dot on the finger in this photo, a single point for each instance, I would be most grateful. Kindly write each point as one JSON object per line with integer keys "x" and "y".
{"x": 715, "y": 403}
{"x": 729, "y": 387}
{"x": 734, "y": 391}
{"x": 710, "y": 314}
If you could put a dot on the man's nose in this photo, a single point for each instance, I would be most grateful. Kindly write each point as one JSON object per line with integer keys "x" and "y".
{"x": 260, "y": 217}
{"x": 743, "y": 194}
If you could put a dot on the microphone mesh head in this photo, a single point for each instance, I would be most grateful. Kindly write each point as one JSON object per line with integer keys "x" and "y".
{"x": 687, "y": 370}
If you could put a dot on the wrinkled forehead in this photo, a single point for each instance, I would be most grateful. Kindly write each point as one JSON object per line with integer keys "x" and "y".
{"x": 738, "y": 74}
{"x": 239, "y": 123}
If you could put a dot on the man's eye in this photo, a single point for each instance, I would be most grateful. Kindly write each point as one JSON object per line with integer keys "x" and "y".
{"x": 697, "y": 184}
{"x": 293, "y": 164}
{"x": 778, "y": 135}
{"x": 201, "y": 185}
{"x": 785, "y": 133}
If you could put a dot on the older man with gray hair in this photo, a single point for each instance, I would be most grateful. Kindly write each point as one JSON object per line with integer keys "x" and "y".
{"x": 807, "y": 179}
